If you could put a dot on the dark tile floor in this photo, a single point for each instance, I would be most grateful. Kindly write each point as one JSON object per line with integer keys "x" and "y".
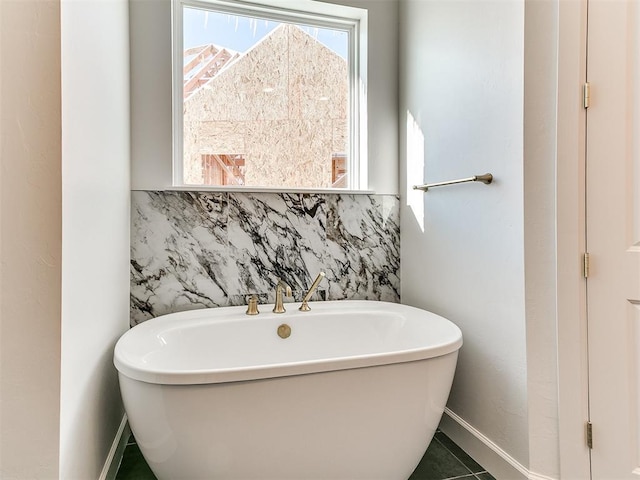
{"x": 444, "y": 460}
{"x": 133, "y": 465}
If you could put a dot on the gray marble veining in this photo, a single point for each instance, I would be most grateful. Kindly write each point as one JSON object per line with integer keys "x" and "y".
{"x": 363, "y": 239}
{"x": 200, "y": 249}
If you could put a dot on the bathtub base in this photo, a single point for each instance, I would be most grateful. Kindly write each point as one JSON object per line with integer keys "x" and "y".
{"x": 358, "y": 424}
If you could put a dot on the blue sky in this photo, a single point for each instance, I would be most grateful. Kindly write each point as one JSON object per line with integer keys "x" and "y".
{"x": 241, "y": 33}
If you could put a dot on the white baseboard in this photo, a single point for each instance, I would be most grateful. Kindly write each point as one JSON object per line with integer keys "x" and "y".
{"x": 497, "y": 462}
{"x": 114, "y": 458}
{"x": 537, "y": 476}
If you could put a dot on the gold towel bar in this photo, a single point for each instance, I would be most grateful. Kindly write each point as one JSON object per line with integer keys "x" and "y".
{"x": 487, "y": 178}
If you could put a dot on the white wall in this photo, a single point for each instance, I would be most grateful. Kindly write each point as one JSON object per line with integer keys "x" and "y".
{"x": 95, "y": 247}
{"x": 151, "y": 93}
{"x": 462, "y": 247}
{"x": 30, "y": 239}
{"x": 540, "y": 146}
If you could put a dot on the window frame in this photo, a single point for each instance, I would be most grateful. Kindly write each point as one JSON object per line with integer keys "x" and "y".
{"x": 309, "y": 12}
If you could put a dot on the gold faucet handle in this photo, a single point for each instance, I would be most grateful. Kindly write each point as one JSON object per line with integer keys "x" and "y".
{"x": 252, "y": 307}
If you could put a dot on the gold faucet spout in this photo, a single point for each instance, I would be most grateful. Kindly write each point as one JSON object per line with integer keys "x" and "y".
{"x": 279, "y": 306}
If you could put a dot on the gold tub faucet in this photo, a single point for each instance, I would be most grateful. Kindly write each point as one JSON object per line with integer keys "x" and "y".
{"x": 279, "y": 306}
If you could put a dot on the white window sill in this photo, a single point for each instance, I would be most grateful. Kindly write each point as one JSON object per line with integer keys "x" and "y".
{"x": 205, "y": 188}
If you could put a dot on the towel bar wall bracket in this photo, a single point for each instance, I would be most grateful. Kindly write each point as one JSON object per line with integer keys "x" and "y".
{"x": 487, "y": 178}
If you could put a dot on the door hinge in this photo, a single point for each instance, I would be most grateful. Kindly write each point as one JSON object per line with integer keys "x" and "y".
{"x": 585, "y": 264}
{"x": 589, "y": 435}
{"x": 586, "y": 91}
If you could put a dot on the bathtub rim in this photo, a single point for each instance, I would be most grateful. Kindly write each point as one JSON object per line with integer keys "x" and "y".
{"x": 259, "y": 372}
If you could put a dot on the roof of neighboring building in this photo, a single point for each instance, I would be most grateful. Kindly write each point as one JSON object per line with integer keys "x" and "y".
{"x": 205, "y": 62}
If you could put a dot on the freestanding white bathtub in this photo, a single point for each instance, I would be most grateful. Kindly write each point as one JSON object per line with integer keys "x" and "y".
{"x": 354, "y": 393}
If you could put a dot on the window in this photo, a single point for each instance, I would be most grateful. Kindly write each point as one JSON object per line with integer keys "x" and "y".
{"x": 266, "y": 96}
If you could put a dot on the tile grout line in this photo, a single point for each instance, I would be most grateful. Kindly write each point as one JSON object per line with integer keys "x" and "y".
{"x": 456, "y": 457}
{"x": 461, "y": 476}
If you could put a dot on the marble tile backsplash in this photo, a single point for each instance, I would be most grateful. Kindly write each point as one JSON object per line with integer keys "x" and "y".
{"x": 194, "y": 250}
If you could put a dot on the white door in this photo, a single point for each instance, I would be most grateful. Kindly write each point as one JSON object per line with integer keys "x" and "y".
{"x": 613, "y": 237}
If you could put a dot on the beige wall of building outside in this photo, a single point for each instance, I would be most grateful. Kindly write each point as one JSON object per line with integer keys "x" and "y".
{"x": 282, "y": 106}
